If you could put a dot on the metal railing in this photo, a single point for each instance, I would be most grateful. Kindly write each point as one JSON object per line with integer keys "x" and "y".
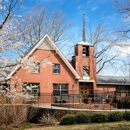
{"x": 108, "y": 100}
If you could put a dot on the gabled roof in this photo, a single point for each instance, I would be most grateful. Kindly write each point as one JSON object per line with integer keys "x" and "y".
{"x": 54, "y": 47}
{"x": 113, "y": 80}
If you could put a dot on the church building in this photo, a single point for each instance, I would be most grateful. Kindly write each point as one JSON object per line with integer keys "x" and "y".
{"x": 45, "y": 73}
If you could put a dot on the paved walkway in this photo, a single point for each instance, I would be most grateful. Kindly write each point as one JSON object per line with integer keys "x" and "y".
{"x": 64, "y": 108}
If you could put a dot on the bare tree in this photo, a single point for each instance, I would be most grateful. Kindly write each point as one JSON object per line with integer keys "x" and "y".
{"x": 103, "y": 45}
{"x": 125, "y": 69}
{"x": 38, "y": 22}
{"x": 123, "y": 8}
{"x": 29, "y": 30}
{"x": 31, "y": 26}
{"x": 123, "y": 32}
{"x": 56, "y": 26}
{"x": 8, "y": 9}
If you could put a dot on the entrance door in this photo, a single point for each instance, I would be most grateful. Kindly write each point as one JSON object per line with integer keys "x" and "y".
{"x": 84, "y": 91}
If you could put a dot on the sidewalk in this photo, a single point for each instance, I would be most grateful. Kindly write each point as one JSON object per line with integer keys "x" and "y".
{"x": 64, "y": 108}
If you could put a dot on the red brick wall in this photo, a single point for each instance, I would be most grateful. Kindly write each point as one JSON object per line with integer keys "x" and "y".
{"x": 89, "y": 61}
{"x": 103, "y": 88}
{"x": 46, "y": 78}
{"x": 92, "y": 65}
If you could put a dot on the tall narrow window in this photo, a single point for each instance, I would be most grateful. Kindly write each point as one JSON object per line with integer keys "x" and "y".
{"x": 85, "y": 71}
{"x": 56, "y": 68}
{"x": 85, "y": 51}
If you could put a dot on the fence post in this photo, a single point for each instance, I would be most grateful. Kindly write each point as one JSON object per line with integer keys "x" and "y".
{"x": 73, "y": 98}
{"x": 51, "y": 99}
{"x": 68, "y": 101}
{"x": 38, "y": 101}
{"x": 125, "y": 101}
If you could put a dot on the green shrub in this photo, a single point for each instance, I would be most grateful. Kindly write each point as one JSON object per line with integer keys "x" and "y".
{"x": 126, "y": 115}
{"x": 99, "y": 117}
{"x": 82, "y": 118}
{"x": 115, "y": 116}
{"x": 123, "y": 104}
{"x": 68, "y": 119}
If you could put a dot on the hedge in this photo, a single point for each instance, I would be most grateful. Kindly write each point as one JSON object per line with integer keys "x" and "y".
{"x": 99, "y": 117}
{"x": 68, "y": 119}
{"x": 126, "y": 115}
{"x": 115, "y": 116}
{"x": 82, "y": 118}
{"x": 95, "y": 117}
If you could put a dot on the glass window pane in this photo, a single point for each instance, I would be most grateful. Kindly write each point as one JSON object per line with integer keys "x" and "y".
{"x": 56, "y": 93}
{"x": 60, "y": 89}
{"x": 64, "y": 87}
{"x": 56, "y": 68}
{"x": 56, "y": 86}
{"x": 64, "y": 92}
{"x": 31, "y": 88}
{"x": 85, "y": 71}
{"x": 36, "y": 67}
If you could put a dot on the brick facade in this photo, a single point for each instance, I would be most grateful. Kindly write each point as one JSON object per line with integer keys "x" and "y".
{"x": 72, "y": 76}
{"x": 46, "y": 77}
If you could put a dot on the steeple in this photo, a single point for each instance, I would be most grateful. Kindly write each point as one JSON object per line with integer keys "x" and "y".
{"x": 83, "y": 42}
{"x": 84, "y": 38}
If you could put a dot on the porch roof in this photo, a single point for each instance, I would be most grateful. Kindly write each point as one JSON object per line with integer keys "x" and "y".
{"x": 84, "y": 80}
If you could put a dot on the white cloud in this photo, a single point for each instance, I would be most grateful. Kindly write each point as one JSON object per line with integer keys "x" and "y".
{"x": 94, "y": 8}
{"x": 79, "y": 7}
{"x": 123, "y": 50}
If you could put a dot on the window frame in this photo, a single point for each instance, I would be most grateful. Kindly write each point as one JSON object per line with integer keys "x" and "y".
{"x": 85, "y": 51}
{"x": 87, "y": 72}
{"x": 122, "y": 91}
{"x": 34, "y": 69}
{"x": 33, "y": 89}
{"x": 62, "y": 89}
{"x": 57, "y": 69}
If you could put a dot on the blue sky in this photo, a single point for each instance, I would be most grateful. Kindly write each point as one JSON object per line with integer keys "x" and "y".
{"x": 95, "y": 10}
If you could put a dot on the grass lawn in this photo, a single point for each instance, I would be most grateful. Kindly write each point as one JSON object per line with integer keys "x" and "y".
{"x": 92, "y": 126}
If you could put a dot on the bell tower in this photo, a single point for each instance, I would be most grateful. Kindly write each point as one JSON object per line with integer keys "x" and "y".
{"x": 85, "y": 63}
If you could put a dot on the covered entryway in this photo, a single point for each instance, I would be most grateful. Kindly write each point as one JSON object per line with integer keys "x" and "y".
{"x": 86, "y": 90}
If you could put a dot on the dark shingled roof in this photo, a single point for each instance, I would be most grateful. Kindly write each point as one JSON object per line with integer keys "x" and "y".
{"x": 113, "y": 80}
